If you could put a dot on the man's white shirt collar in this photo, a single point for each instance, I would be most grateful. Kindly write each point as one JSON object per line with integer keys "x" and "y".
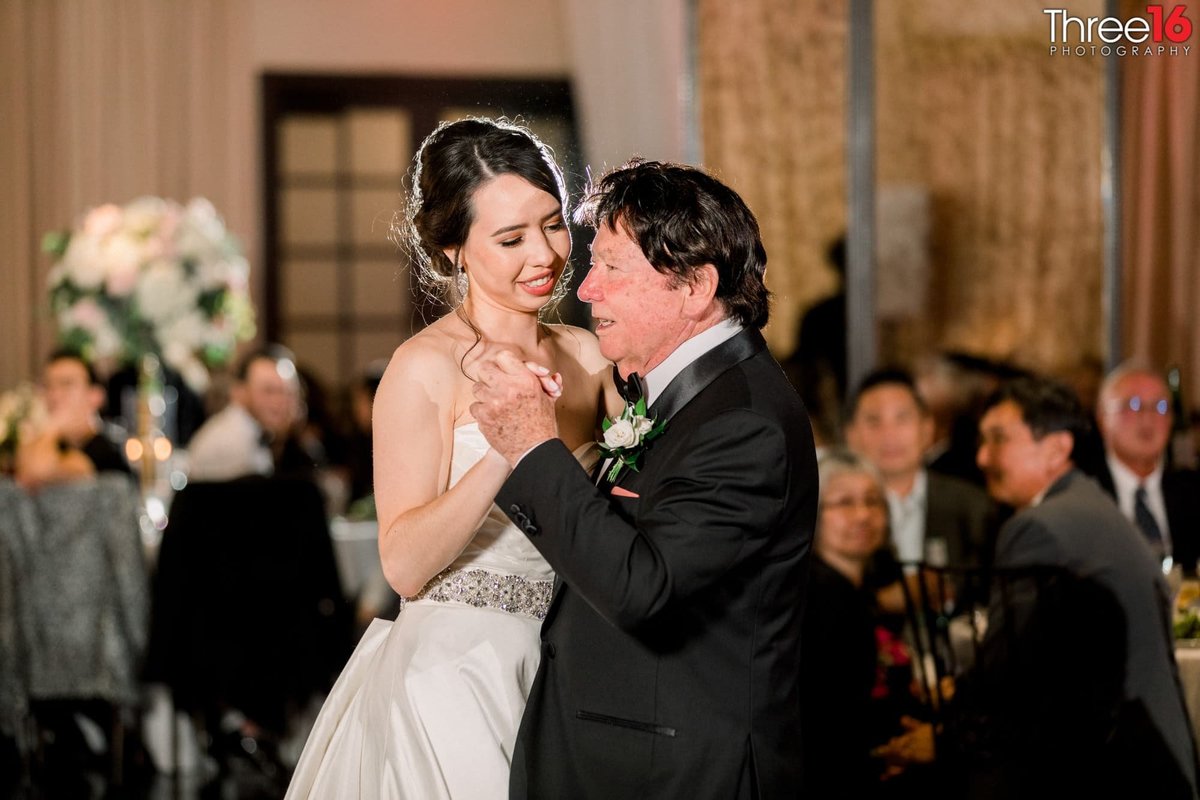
{"x": 658, "y": 379}
{"x": 1125, "y": 486}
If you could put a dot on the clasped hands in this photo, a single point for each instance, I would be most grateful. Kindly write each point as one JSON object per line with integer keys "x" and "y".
{"x": 514, "y": 403}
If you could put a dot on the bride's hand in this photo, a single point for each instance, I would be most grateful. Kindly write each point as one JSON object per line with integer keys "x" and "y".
{"x": 551, "y": 384}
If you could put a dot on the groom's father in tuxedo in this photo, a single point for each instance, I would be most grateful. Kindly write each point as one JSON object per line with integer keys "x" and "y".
{"x": 671, "y": 650}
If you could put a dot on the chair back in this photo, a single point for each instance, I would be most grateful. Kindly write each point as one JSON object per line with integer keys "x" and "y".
{"x": 248, "y": 610}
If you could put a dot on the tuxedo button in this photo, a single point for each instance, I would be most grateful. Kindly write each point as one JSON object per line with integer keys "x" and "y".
{"x": 548, "y": 649}
{"x": 514, "y": 509}
{"x": 530, "y": 529}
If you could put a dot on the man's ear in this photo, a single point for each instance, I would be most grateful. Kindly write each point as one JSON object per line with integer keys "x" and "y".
{"x": 701, "y": 292}
{"x": 1059, "y": 445}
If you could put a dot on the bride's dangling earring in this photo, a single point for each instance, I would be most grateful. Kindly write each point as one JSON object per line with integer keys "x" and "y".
{"x": 461, "y": 283}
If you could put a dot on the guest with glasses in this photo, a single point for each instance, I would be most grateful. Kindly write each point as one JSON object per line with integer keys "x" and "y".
{"x": 1134, "y": 416}
{"x": 845, "y": 703}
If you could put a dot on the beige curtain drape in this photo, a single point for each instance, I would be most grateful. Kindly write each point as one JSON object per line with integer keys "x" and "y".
{"x": 1161, "y": 196}
{"x": 772, "y": 87}
{"x": 1001, "y": 139}
{"x": 105, "y": 101}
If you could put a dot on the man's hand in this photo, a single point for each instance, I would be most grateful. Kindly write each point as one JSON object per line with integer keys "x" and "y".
{"x": 514, "y": 404}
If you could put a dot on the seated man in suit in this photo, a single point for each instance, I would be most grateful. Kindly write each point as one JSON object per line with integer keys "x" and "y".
{"x": 1104, "y": 716}
{"x": 245, "y": 437}
{"x": 69, "y": 444}
{"x": 1134, "y": 415}
{"x": 936, "y": 519}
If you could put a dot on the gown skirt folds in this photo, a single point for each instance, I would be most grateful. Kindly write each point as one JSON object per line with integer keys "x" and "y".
{"x": 428, "y": 706}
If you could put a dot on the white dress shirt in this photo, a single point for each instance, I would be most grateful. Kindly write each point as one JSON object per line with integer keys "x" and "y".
{"x": 658, "y": 379}
{"x": 655, "y": 382}
{"x": 1126, "y": 483}
{"x": 907, "y": 518}
{"x": 228, "y": 445}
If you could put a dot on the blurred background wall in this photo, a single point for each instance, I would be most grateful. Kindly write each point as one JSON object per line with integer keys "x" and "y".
{"x": 989, "y": 152}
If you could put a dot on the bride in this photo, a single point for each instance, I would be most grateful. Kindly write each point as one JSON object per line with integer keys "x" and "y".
{"x": 428, "y": 706}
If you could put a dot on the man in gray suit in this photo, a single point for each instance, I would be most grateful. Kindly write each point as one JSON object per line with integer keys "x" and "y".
{"x": 1141, "y": 745}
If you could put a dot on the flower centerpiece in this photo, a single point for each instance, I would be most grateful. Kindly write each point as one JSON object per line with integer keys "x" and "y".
{"x": 151, "y": 278}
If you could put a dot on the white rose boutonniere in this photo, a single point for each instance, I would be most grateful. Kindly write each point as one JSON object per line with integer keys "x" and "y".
{"x": 626, "y": 437}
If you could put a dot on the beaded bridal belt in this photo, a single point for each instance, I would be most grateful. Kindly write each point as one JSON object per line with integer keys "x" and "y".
{"x": 483, "y": 589}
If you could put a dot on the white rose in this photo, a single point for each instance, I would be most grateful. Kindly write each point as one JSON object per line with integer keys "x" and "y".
{"x": 102, "y": 220}
{"x": 621, "y": 434}
{"x": 123, "y": 257}
{"x": 182, "y": 336}
{"x": 84, "y": 262}
{"x": 164, "y": 292}
{"x": 643, "y": 426}
{"x": 144, "y": 215}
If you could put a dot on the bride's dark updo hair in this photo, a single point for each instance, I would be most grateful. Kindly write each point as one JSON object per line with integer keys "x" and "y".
{"x": 451, "y": 164}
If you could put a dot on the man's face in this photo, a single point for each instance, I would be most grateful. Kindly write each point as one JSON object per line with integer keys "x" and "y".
{"x": 70, "y": 397}
{"x": 271, "y": 397}
{"x": 638, "y": 311}
{"x": 1017, "y": 466}
{"x": 890, "y": 430}
{"x": 1135, "y": 418}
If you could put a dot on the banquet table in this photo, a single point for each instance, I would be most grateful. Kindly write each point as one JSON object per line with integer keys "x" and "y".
{"x": 356, "y": 547}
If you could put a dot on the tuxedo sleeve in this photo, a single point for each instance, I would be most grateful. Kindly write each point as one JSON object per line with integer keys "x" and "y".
{"x": 715, "y": 506}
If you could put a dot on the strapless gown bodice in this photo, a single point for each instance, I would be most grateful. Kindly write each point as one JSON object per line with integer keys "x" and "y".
{"x": 498, "y": 545}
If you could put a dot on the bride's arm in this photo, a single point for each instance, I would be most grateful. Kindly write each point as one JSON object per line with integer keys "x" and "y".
{"x": 422, "y": 525}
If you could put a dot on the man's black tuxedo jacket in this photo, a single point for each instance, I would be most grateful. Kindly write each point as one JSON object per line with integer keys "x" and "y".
{"x": 1181, "y": 495}
{"x": 670, "y": 654}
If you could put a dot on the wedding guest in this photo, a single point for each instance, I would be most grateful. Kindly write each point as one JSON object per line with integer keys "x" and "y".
{"x": 1135, "y": 418}
{"x": 70, "y": 444}
{"x": 838, "y": 671}
{"x": 936, "y": 519}
{"x": 1076, "y": 677}
{"x": 242, "y": 439}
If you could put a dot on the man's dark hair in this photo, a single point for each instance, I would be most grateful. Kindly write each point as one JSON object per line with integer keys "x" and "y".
{"x": 269, "y": 352}
{"x": 71, "y": 354}
{"x": 682, "y": 219}
{"x": 885, "y": 376}
{"x": 1047, "y": 405}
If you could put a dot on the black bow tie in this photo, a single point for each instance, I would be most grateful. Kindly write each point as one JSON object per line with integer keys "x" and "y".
{"x": 631, "y": 389}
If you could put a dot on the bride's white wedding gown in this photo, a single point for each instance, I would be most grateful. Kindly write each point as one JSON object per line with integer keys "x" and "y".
{"x": 428, "y": 706}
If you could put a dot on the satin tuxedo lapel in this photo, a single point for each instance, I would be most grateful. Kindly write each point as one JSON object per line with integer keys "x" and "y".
{"x": 696, "y": 377}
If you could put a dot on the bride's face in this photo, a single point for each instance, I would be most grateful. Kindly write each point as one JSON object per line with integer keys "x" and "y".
{"x": 517, "y": 246}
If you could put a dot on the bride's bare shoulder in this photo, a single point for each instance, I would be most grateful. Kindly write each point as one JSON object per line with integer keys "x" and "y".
{"x": 427, "y": 358}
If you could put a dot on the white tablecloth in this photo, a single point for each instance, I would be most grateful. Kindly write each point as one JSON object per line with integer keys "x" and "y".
{"x": 356, "y": 548}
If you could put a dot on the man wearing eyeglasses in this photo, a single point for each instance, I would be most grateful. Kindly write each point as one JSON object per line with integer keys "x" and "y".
{"x": 1134, "y": 415}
